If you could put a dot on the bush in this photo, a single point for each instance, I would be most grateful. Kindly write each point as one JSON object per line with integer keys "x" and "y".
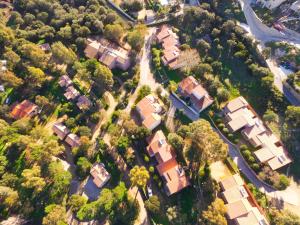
{"x": 247, "y": 153}
{"x": 218, "y": 121}
{"x": 230, "y": 136}
{"x": 146, "y": 158}
{"x": 251, "y": 159}
{"x": 225, "y": 130}
{"x": 221, "y": 126}
{"x": 243, "y": 147}
{"x": 235, "y": 141}
{"x": 284, "y": 182}
{"x": 255, "y": 167}
{"x": 151, "y": 169}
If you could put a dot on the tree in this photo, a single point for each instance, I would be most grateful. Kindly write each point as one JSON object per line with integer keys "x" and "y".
{"x": 176, "y": 141}
{"x": 83, "y": 167}
{"x": 33, "y": 53}
{"x": 136, "y": 38}
{"x": 293, "y": 115}
{"x": 173, "y": 214}
{"x": 203, "y": 46}
{"x": 60, "y": 179}
{"x": 84, "y": 131}
{"x": 270, "y": 116}
{"x": 62, "y": 53}
{"x": 35, "y": 77}
{"x": 215, "y": 214}
{"x": 9, "y": 79}
{"x": 55, "y": 214}
{"x": 76, "y": 202}
{"x": 9, "y": 198}
{"x": 143, "y": 92}
{"x": 139, "y": 177}
{"x": 12, "y": 58}
{"x": 123, "y": 143}
{"x": 203, "y": 68}
{"x": 114, "y": 32}
{"x": 283, "y": 217}
{"x": 3, "y": 164}
{"x": 153, "y": 205}
{"x": 32, "y": 179}
{"x": 103, "y": 78}
{"x": 223, "y": 94}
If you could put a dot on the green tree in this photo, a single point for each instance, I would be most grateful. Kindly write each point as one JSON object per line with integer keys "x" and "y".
{"x": 35, "y": 77}
{"x": 139, "y": 177}
{"x": 33, "y": 53}
{"x": 136, "y": 38}
{"x": 62, "y": 53}
{"x": 176, "y": 141}
{"x": 143, "y": 92}
{"x": 32, "y": 179}
{"x": 55, "y": 214}
{"x": 293, "y": 115}
{"x": 9, "y": 198}
{"x": 215, "y": 214}
{"x": 76, "y": 202}
{"x": 9, "y": 79}
{"x": 103, "y": 78}
{"x": 283, "y": 217}
{"x": 83, "y": 167}
{"x": 114, "y": 32}
{"x": 3, "y": 164}
{"x": 153, "y": 205}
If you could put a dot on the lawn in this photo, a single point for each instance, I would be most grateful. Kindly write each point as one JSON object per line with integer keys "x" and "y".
{"x": 172, "y": 75}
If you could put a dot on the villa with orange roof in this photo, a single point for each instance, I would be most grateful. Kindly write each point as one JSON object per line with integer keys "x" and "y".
{"x": 24, "y": 109}
{"x": 167, "y": 166}
{"x": 192, "y": 91}
{"x": 149, "y": 110}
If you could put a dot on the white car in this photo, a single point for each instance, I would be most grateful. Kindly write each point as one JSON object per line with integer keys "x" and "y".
{"x": 149, "y": 190}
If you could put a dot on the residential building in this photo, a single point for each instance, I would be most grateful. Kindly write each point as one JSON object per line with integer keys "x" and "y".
{"x": 194, "y": 93}
{"x": 149, "y": 109}
{"x": 45, "y": 47}
{"x": 65, "y": 81}
{"x": 60, "y": 130}
{"x": 83, "y": 103}
{"x": 241, "y": 206}
{"x": 240, "y": 116}
{"x": 110, "y": 54}
{"x": 24, "y": 109}
{"x": 171, "y": 172}
{"x": 71, "y": 93}
{"x": 99, "y": 174}
{"x": 72, "y": 140}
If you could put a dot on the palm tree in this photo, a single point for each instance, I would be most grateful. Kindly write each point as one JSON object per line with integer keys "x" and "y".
{"x": 139, "y": 177}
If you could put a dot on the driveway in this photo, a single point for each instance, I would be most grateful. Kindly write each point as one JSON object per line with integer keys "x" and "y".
{"x": 180, "y": 105}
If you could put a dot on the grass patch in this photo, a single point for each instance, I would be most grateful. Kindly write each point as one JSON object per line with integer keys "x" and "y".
{"x": 172, "y": 75}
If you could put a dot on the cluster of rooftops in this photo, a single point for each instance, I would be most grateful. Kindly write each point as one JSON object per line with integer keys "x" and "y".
{"x": 110, "y": 54}
{"x": 173, "y": 57}
{"x": 167, "y": 166}
{"x": 71, "y": 93}
{"x": 242, "y": 208}
{"x": 240, "y": 116}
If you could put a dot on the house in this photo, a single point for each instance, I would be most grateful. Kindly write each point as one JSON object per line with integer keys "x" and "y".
{"x": 110, "y": 54}
{"x": 65, "y": 81}
{"x": 241, "y": 206}
{"x": 45, "y": 47}
{"x": 240, "y": 115}
{"x": 83, "y": 103}
{"x": 73, "y": 140}
{"x": 24, "y": 109}
{"x": 71, "y": 93}
{"x": 99, "y": 174}
{"x": 149, "y": 109}
{"x": 171, "y": 172}
{"x": 231, "y": 182}
{"x": 60, "y": 130}
{"x": 191, "y": 90}
{"x": 150, "y": 16}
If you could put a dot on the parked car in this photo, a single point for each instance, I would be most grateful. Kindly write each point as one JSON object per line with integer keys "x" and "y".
{"x": 149, "y": 191}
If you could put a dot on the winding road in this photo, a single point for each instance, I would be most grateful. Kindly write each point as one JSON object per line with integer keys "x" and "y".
{"x": 263, "y": 34}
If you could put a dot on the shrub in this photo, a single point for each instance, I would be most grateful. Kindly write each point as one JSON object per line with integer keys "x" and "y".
{"x": 151, "y": 169}
{"x": 235, "y": 141}
{"x": 225, "y": 130}
{"x": 243, "y": 147}
{"x": 230, "y": 136}
{"x": 246, "y": 153}
{"x": 255, "y": 167}
{"x": 251, "y": 159}
{"x": 283, "y": 183}
{"x": 221, "y": 125}
{"x": 146, "y": 158}
{"x": 218, "y": 121}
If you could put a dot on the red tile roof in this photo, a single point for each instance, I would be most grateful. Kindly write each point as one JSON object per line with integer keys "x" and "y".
{"x": 24, "y": 109}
